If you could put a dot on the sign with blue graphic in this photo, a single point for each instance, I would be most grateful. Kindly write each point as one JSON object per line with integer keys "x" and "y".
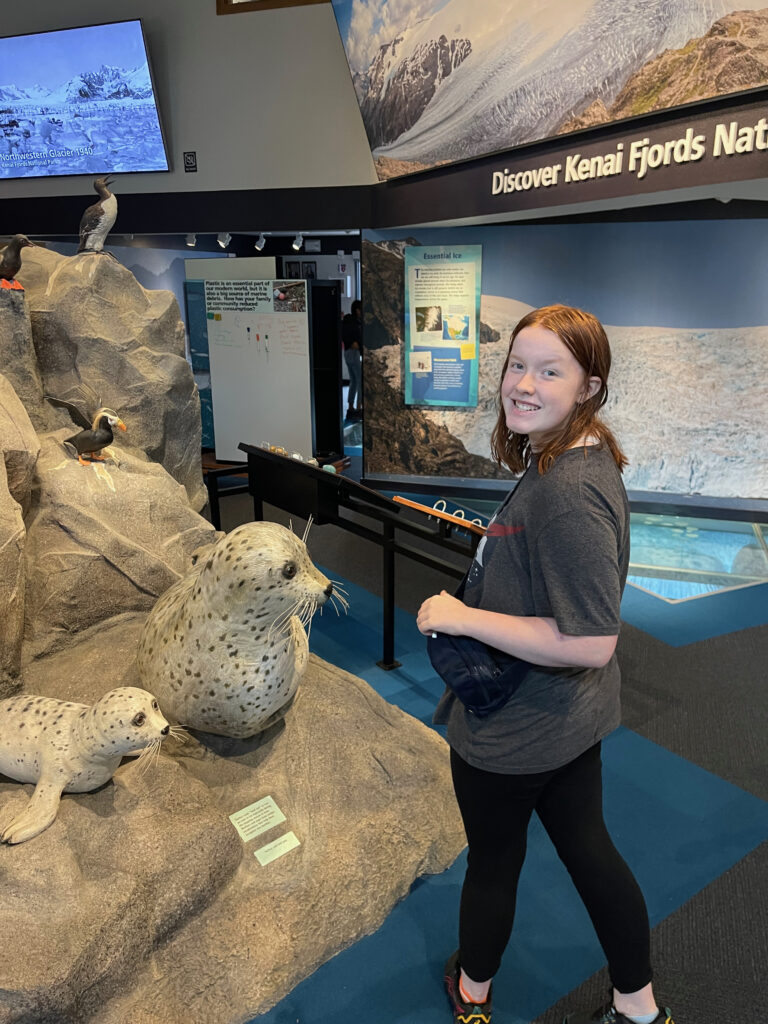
{"x": 442, "y": 320}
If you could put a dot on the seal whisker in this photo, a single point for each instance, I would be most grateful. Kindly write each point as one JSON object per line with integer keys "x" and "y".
{"x": 288, "y": 613}
{"x": 149, "y": 756}
{"x": 342, "y": 598}
{"x": 307, "y": 528}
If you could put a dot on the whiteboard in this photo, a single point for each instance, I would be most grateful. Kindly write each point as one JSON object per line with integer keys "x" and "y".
{"x": 258, "y": 342}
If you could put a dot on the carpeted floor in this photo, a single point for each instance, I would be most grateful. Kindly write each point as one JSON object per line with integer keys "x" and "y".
{"x": 686, "y": 792}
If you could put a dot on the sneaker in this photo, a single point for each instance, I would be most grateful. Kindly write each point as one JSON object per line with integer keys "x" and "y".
{"x": 608, "y": 1014}
{"x": 464, "y": 1013}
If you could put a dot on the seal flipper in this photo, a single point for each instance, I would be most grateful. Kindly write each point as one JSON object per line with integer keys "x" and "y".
{"x": 39, "y": 813}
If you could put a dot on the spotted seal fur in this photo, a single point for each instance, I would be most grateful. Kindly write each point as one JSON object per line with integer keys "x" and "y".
{"x": 224, "y": 648}
{"x": 70, "y": 748}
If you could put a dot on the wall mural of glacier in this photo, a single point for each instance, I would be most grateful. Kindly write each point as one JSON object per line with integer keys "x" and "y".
{"x": 686, "y": 310}
{"x": 446, "y": 80}
{"x": 78, "y": 101}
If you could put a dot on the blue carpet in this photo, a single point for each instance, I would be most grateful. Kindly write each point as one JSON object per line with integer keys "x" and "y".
{"x": 687, "y": 622}
{"x": 700, "y": 826}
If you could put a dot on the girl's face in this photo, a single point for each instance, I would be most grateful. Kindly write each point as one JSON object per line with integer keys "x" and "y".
{"x": 542, "y": 385}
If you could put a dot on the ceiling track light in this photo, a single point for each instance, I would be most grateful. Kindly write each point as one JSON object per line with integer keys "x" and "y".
{"x": 224, "y": 238}
{"x": 297, "y": 242}
{"x": 191, "y": 241}
{"x": 260, "y": 242}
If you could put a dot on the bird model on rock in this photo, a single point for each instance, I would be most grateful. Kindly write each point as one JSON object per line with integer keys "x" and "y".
{"x": 97, "y": 221}
{"x": 10, "y": 262}
{"x": 96, "y": 420}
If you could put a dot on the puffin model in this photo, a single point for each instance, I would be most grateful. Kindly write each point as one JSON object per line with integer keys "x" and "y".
{"x": 96, "y": 420}
{"x": 10, "y": 262}
{"x": 97, "y": 221}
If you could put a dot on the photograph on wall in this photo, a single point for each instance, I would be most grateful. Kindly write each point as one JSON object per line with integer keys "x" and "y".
{"x": 442, "y": 313}
{"x": 292, "y": 269}
{"x": 289, "y": 296}
{"x": 439, "y": 81}
{"x": 688, "y": 334}
{"x": 309, "y": 269}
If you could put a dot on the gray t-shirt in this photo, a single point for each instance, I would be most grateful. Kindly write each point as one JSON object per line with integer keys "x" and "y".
{"x": 557, "y": 547}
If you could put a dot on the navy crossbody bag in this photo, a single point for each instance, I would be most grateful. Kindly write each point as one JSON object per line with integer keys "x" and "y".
{"x": 482, "y": 677}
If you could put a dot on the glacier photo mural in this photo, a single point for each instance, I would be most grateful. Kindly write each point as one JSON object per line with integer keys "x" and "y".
{"x": 445, "y": 80}
{"x": 685, "y": 307}
{"x": 78, "y": 101}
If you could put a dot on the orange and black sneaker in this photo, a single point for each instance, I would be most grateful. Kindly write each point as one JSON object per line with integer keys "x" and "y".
{"x": 608, "y": 1014}
{"x": 464, "y": 1013}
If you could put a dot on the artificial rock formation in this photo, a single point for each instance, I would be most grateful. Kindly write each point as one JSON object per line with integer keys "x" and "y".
{"x": 156, "y": 912}
{"x": 93, "y": 322}
{"x": 19, "y": 450}
{"x": 101, "y": 540}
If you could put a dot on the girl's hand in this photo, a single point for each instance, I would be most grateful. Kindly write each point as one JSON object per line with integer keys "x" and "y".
{"x": 442, "y": 613}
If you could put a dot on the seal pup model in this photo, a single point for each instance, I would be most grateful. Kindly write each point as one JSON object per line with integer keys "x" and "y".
{"x": 70, "y": 748}
{"x": 224, "y": 648}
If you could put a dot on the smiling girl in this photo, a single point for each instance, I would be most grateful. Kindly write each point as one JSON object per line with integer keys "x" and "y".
{"x": 545, "y": 586}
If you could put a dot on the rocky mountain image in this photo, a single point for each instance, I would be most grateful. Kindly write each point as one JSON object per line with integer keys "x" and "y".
{"x": 96, "y": 121}
{"x": 697, "y": 433}
{"x": 398, "y": 90}
{"x": 110, "y": 83}
{"x": 104, "y": 83}
{"x": 467, "y": 79}
{"x": 730, "y": 57}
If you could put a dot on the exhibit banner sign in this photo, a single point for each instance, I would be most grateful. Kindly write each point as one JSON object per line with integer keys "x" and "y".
{"x": 441, "y": 81}
{"x": 442, "y": 321}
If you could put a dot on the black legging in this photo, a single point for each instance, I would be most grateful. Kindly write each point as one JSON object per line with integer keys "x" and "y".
{"x": 569, "y": 801}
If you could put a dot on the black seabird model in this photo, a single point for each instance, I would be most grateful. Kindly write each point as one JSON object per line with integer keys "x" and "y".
{"x": 10, "y": 262}
{"x": 96, "y": 420}
{"x": 97, "y": 221}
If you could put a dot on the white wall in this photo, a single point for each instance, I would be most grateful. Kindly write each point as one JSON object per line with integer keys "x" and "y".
{"x": 264, "y": 97}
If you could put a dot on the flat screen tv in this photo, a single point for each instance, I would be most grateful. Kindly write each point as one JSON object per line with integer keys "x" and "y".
{"x": 78, "y": 101}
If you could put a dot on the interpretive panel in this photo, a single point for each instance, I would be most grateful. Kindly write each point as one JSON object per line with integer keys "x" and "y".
{"x": 258, "y": 342}
{"x": 442, "y": 315}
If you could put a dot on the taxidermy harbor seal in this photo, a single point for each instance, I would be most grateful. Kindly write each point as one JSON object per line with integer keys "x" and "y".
{"x": 70, "y": 748}
{"x": 224, "y": 648}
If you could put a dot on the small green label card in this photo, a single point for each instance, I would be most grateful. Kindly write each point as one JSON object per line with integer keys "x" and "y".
{"x": 276, "y": 849}
{"x": 256, "y": 818}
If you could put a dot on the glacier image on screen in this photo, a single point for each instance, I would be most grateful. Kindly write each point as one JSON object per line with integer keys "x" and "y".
{"x": 445, "y": 80}
{"x": 78, "y": 101}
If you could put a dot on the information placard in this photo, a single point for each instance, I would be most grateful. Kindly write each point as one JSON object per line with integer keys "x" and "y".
{"x": 258, "y": 343}
{"x": 276, "y": 849}
{"x": 442, "y": 322}
{"x": 257, "y": 818}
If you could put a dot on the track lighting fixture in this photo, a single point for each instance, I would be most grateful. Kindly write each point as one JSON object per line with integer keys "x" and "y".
{"x": 191, "y": 241}
{"x": 224, "y": 238}
{"x": 260, "y": 242}
{"x": 297, "y": 242}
